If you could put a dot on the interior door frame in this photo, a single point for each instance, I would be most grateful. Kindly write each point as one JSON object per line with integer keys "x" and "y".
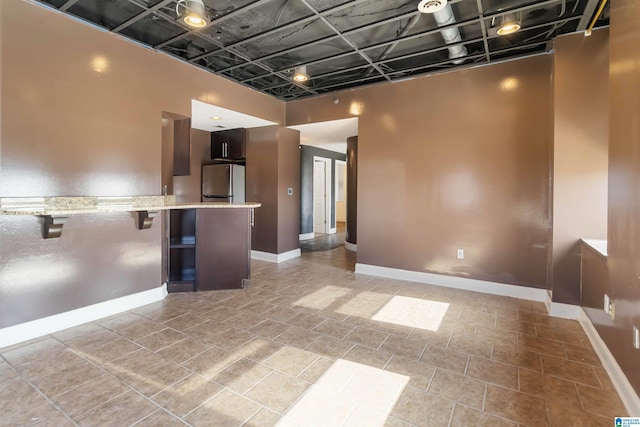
{"x": 328, "y": 173}
{"x": 335, "y": 199}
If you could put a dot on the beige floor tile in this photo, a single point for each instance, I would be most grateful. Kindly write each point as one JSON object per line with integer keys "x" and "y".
{"x": 464, "y": 416}
{"x": 395, "y": 422}
{"x": 471, "y": 345}
{"x": 605, "y": 381}
{"x": 152, "y": 379}
{"x": 518, "y": 357}
{"x": 330, "y": 347}
{"x": 562, "y": 416}
{"x": 47, "y": 365}
{"x": 499, "y": 337}
{"x": 258, "y": 349}
{"x": 77, "y": 332}
{"x": 444, "y": 358}
{"x": 493, "y": 372}
{"x": 242, "y": 375}
{"x": 141, "y": 329}
{"x": 306, "y": 320}
{"x": 160, "y": 418}
{"x": 110, "y": 351}
{"x": 21, "y": 405}
{"x": 419, "y": 373}
{"x": 90, "y": 395}
{"x": 162, "y": 339}
{"x": 390, "y": 328}
{"x": 412, "y": 404}
{"x": 291, "y": 360}
{"x": 572, "y": 371}
{"x": 316, "y": 370}
{"x": 6, "y": 372}
{"x": 460, "y": 388}
{"x": 125, "y": 409}
{"x": 367, "y": 356}
{"x": 289, "y": 389}
{"x": 220, "y": 314}
{"x": 549, "y": 388}
{"x": 569, "y": 337}
{"x": 552, "y": 322}
{"x": 186, "y": 395}
{"x": 600, "y": 402}
{"x": 409, "y": 348}
{"x": 520, "y": 326}
{"x": 184, "y": 322}
{"x": 365, "y": 416}
{"x": 211, "y": 361}
{"x": 281, "y": 314}
{"x": 320, "y": 408}
{"x": 541, "y": 345}
{"x": 227, "y": 409}
{"x": 439, "y": 338}
{"x": 582, "y": 354}
{"x": 231, "y": 338}
{"x": 298, "y": 337}
{"x": 264, "y": 418}
{"x": 367, "y": 337}
{"x": 334, "y": 328}
{"x": 515, "y": 406}
{"x": 67, "y": 378}
{"x": 184, "y": 350}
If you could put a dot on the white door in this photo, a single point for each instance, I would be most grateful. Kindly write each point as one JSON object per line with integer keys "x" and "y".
{"x": 319, "y": 197}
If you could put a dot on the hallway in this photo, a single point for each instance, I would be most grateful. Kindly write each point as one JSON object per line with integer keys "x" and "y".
{"x": 309, "y": 343}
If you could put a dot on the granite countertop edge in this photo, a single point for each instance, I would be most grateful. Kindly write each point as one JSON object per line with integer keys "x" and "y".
{"x": 52, "y": 206}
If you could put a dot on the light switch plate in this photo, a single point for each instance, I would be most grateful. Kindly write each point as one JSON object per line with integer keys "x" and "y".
{"x": 289, "y": 191}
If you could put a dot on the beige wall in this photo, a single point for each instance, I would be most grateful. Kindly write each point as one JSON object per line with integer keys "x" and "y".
{"x": 624, "y": 188}
{"x": 456, "y": 160}
{"x": 580, "y": 156}
{"x": 74, "y": 126}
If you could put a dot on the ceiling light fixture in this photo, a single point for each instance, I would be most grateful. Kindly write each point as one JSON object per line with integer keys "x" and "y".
{"x": 301, "y": 74}
{"x": 193, "y": 13}
{"x": 215, "y": 118}
{"x": 508, "y": 24}
{"x": 431, "y": 6}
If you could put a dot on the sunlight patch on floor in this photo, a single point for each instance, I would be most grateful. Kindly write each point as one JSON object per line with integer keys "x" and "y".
{"x": 348, "y": 394}
{"x": 413, "y": 312}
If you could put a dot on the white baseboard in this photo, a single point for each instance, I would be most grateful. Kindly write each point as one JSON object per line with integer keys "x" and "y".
{"x": 332, "y": 231}
{"x": 47, "y": 325}
{"x": 566, "y": 311}
{"x": 307, "y": 236}
{"x": 628, "y": 395}
{"x": 351, "y": 247}
{"x": 475, "y": 285}
{"x": 277, "y": 258}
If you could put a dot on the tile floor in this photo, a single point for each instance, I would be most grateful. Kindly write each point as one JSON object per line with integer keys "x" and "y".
{"x": 309, "y": 343}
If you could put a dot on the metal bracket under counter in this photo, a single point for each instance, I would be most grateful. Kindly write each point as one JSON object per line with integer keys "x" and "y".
{"x": 53, "y": 223}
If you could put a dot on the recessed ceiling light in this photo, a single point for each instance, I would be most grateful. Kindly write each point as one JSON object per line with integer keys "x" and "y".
{"x": 215, "y": 118}
{"x": 301, "y": 74}
{"x": 193, "y": 14}
{"x": 508, "y": 24}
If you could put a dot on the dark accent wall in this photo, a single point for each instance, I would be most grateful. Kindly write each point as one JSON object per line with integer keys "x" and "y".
{"x": 351, "y": 235}
{"x": 73, "y": 126}
{"x": 273, "y": 166}
{"x": 454, "y": 160}
{"x": 624, "y": 187}
{"x": 306, "y": 184}
{"x": 580, "y": 154}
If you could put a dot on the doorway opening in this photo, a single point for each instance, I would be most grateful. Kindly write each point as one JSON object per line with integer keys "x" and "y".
{"x": 322, "y": 195}
{"x": 341, "y": 196}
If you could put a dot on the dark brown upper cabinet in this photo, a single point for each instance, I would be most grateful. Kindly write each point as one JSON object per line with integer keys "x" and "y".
{"x": 181, "y": 147}
{"x": 229, "y": 144}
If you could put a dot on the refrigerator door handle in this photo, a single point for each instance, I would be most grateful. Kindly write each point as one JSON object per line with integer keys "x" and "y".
{"x": 253, "y": 216}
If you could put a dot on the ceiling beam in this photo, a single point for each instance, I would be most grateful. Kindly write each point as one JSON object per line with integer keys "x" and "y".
{"x": 483, "y": 27}
{"x": 589, "y": 9}
{"x": 283, "y": 27}
{"x": 213, "y": 22}
{"x": 68, "y": 4}
{"x": 141, "y": 15}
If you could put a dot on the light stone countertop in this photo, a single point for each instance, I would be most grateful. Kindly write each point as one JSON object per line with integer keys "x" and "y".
{"x": 598, "y": 245}
{"x": 62, "y": 206}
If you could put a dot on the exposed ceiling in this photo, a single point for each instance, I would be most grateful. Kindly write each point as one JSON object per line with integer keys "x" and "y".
{"x": 343, "y": 44}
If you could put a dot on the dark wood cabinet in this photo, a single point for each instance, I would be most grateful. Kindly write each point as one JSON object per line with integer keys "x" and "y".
{"x": 229, "y": 144}
{"x": 181, "y": 147}
{"x": 208, "y": 249}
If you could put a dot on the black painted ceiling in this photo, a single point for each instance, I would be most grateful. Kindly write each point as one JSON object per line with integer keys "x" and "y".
{"x": 258, "y": 43}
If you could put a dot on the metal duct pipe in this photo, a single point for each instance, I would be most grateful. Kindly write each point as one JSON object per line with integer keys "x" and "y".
{"x": 445, "y": 17}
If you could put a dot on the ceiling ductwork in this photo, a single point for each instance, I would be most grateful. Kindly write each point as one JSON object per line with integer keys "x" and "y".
{"x": 443, "y": 14}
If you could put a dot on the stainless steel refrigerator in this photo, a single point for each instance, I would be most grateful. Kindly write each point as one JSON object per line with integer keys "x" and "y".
{"x": 223, "y": 183}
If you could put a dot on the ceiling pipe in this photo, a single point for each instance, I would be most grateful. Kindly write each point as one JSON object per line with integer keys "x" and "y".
{"x": 444, "y": 17}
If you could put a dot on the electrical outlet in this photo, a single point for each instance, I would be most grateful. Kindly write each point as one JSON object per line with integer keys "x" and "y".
{"x": 460, "y": 253}
{"x": 612, "y": 310}
{"x": 636, "y": 337}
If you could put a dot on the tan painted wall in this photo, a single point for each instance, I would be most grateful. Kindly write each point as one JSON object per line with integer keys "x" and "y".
{"x": 81, "y": 114}
{"x": 624, "y": 187}
{"x": 456, "y": 160}
{"x": 580, "y": 154}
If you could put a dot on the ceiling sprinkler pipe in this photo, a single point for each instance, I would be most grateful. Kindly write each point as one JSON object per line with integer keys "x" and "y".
{"x": 445, "y": 17}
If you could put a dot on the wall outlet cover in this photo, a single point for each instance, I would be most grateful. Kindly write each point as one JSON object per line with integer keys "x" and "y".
{"x": 289, "y": 191}
{"x": 460, "y": 253}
